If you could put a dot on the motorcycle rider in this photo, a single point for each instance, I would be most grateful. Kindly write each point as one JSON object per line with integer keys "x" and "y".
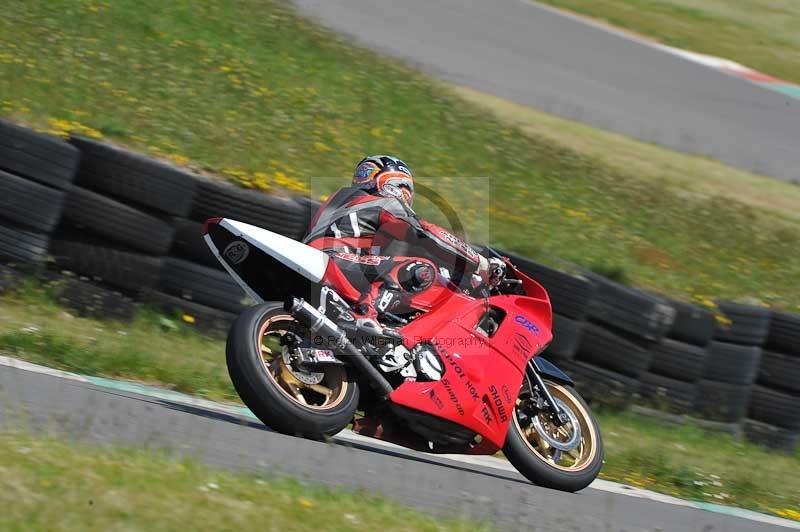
{"x": 359, "y": 225}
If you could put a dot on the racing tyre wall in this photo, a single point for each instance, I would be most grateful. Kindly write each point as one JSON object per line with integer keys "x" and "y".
{"x": 120, "y": 227}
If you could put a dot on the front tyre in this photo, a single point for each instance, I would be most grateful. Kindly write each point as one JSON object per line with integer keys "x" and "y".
{"x": 566, "y": 458}
{"x": 288, "y": 399}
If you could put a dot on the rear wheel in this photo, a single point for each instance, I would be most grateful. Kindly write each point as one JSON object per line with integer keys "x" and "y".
{"x": 291, "y": 400}
{"x": 566, "y": 457}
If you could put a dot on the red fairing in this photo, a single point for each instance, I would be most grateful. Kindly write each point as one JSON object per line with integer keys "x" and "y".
{"x": 482, "y": 375}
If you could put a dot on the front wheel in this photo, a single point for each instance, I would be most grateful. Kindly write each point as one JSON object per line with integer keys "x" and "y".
{"x": 566, "y": 457}
{"x": 289, "y": 399}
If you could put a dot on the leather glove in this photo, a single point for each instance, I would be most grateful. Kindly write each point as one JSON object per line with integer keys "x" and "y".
{"x": 491, "y": 271}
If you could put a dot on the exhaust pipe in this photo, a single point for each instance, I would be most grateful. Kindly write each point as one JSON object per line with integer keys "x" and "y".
{"x": 323, "y": 326}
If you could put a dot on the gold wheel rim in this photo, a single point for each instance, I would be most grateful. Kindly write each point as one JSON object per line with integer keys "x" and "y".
{"x": 574, "y": 460}
{"x": 324, "y": 395}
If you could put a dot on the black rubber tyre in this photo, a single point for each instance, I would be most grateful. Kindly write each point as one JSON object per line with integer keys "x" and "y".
{"x": 770, "y": 436}
{"x": 281, "y": 215}
{"x": 539, "y": 471}
{"x": 263, "y": 395}
{"x": 720, "y": 401}
{"x": 569, "y": 294}
{"x": 127, "y": 270}
{"x": 668, "y": 394}
{"x": 93, "y": 301}
{"x": 693, "y": 325}
{"x": 567, "y": 336}
{"x": 117, "y": 222}
{"x": 600, "y": 386}
{"x": 29, "y": 204}
{"x": 608, "y": 350}
{"x": 749, "y": 324}
{"x": 678, "y": 360}
{"x": 774, "y": 407}
{"x": 190, "y": 244}
{"x": 134, "y": 178}
{"x": 10, "y": 279}
{"x": 203, "y": 285}
{"x": 732, "y": 363}
{"x": 630, "y": 310}
{"x": 18, "y": 245}
{"x": 48, "y": 160}
{"x": 207, "y": 320}
{"x": 784, "y": 333}
{"x": 780, "y": 371}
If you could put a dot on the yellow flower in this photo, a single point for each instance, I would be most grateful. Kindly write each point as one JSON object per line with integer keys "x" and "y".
{"x": 188, "y": 319}
{"x": 305, "y": 503}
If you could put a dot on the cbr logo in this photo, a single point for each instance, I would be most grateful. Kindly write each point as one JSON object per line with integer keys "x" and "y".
{"x": 525, "y": 322}
{"x": 236, "y": 252}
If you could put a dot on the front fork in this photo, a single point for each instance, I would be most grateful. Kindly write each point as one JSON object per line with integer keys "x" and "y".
{"x": 559, "y": 418}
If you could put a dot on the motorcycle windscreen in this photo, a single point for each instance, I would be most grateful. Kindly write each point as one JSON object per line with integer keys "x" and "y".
{"x": 268, "y": 266}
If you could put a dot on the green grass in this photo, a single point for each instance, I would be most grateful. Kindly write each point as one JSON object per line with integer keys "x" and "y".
{"x": 639, "y": 452}
{"x": 35, "y": 328}
{"x": 271, "y": 100}
{"x": 692, "y": 463}
{"x": 761, "y": 34}
{"x": 50, "y": 484}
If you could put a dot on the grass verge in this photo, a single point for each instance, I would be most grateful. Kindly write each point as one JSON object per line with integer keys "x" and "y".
{"x": 761, "y": 35}
{"x": 49, "y": 484}
{"x": 270, "y": 100}
{"x": 692, "y": 463}
{"x": 685, "y": 462}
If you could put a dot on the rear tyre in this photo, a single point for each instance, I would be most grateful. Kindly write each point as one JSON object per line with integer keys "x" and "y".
{"x": 566, "y": 458}
{"x": 287, "y": 399}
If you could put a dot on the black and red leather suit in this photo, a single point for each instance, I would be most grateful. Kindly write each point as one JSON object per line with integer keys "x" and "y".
{"x": 361, "y": 231}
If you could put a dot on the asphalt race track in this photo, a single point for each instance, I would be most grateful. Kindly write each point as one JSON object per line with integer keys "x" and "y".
{"x": 533, "y": 55}
{"x": 103, "y": 412}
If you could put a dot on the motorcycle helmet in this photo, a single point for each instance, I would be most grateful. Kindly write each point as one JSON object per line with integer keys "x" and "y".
{"x": 386, "y": 176}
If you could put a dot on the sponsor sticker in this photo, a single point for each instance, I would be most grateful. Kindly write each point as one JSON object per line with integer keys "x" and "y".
{"x": 459, "y": 371}
{"x": 500, "y": 407}
{"x": 365, "y": 172}
{"x": 436, "y": 400}
{"x": 236, "y": 252}
{"x": 371, "y": 260}
{"x": 487, "y": 416}
{"x": 452, "y": 395}
{"x": 506, "y": 393}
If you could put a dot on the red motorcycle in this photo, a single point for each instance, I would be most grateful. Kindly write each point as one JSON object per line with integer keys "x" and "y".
{"x": 454, "y": 371}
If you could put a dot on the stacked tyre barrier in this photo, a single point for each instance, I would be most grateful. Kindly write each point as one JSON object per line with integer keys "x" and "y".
{"x": 678, "y": 362}
{"x": 774, "y": 412}
{"x": 110, "y": 229}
